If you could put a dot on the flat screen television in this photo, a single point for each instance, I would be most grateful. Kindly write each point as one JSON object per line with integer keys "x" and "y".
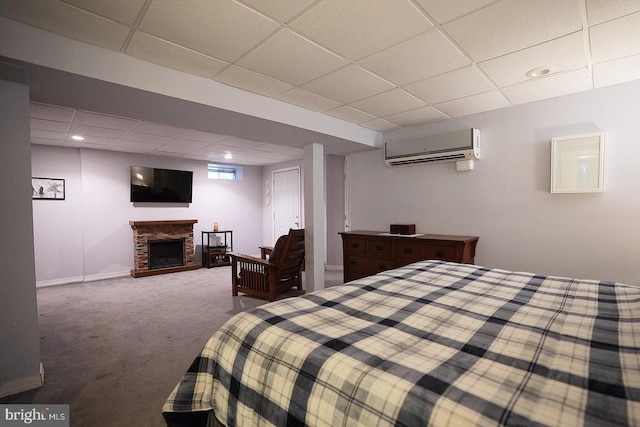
{"x": 160, "y": 185}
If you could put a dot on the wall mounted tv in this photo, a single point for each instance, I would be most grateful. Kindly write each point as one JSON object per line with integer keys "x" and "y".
{"x": 160, "y": 185}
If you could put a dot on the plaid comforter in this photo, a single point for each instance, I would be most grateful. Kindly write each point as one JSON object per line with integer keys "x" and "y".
{"x": 433, "y": 343}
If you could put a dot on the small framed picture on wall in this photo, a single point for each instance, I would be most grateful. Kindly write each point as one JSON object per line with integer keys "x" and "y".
{"x": 47, "y": 188}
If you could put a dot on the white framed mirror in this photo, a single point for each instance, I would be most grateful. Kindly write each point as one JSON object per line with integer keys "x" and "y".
{"x": 577, "y": 163}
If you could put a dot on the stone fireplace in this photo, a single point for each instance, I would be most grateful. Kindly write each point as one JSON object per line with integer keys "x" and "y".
{"x": 161, "y": 247}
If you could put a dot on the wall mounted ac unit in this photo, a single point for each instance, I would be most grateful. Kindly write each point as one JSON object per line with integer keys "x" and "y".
{"x": 454, "y": 146}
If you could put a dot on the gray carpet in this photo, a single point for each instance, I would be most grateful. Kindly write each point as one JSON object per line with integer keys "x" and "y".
{"x": 114, "y": 349}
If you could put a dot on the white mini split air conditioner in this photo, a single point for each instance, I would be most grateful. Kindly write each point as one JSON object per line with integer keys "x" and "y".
{"x": 454, "y": 146}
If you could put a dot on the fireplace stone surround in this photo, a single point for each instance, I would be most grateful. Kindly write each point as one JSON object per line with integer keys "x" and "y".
{"x": 145, "y": 231}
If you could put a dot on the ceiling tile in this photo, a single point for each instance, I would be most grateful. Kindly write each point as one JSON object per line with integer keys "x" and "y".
{"x": 132, "y": 149}
{"x": 145, "y": 137}
{"x": 309, "y": 100}
{"x": 381, "y": 125}
{"x": 348, "y": 84}
{"x": 420, "y": 115}
{"x": 616, "y": 71}
{"x": 507, "y": 26}
{"x": 599, "y": 11}
{"x": 60, "y": 18}
{"x": 84, "y": 130}
{"x": 252, "y": 81}
{"x": 52, "y": 125}
{"x": 563, "y": 54}
{"x": 481, "y": 102}
{"x": 358, "y": 28}
{"x": 90, "y": 141}
{"x": 388, "y": 103}
{"x": 152, "y": 49}
{"x": 282, "y": 10}
{"x": 426, "y": 55}
{"x": 238, "y": 143}
{"x": 350, "y": 114}
{"x": 104, "y": 121}
{"x": 47, "y": 134}
{"x": 188, "y": 143}
{"x": 222, "y": 29}
{"x": 548, "y": 87}
{"x": 175, "y": 147}
{"x": 291, "y": 58}
{"x": 446, "y": 87}
{"x": 615, "y": 39}
{"x": 445, "y": 11}
{"x": 203, "y": 136}
{"x": 159, "y": 130}
{"x": 246, "y": 160}
{"x": 122, "y": 11}
{"x": 50, "y": 112}
{"x": 139, "y": 146}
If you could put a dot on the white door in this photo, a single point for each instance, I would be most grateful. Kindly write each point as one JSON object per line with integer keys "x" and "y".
{"x": 286, "y": 201}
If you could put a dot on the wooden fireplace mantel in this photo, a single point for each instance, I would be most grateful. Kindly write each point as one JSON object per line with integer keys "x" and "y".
{"x": 161, "y": 223}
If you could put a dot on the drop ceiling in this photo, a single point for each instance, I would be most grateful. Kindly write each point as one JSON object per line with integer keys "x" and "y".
{"x": 381, "y": 64}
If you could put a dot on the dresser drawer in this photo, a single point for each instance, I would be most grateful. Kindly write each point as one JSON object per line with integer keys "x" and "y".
{"x": 447, "y": 253}
{"x": 409, "y": 251}
{"x": 355, "y": 246}
{"x": 379, "y": 248}
{"x": 356, "y": 266}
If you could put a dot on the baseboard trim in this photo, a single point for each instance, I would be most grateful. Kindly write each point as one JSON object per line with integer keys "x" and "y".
{"x": 56, "y": 282}
{"x": 103, "y": 276}
{"x": 82, "y": 279}
{"x": 22, "y": 384}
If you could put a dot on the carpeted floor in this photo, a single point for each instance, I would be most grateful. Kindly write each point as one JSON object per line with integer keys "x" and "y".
{"x": 114, "y": 349}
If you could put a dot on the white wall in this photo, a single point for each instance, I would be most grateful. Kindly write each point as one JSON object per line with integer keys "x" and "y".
{"x": 506, "y": 199}
{"x": 335, "y": 208}
{"x": 87, "y": 236}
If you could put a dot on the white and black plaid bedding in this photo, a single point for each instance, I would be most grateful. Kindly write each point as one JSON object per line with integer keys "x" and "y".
{"x": 433, "y": 343}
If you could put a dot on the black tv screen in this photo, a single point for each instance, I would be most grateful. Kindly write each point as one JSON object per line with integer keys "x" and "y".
{"x": 160, "y": 185}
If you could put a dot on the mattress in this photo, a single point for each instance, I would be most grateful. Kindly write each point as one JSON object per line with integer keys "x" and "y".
{"x": 433, "y": 343}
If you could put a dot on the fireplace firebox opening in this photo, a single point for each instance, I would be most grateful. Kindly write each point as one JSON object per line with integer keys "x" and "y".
{"x": 166, "y": 253}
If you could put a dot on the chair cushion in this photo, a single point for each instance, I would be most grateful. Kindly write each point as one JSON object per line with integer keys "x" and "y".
{"x": 278, "y": 249}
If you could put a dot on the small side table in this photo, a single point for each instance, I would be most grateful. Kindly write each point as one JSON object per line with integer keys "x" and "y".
{"x": 215, "y": 248}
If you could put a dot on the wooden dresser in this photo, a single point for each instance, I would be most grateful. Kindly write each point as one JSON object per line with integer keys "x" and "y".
{"x": 370, "y": 252}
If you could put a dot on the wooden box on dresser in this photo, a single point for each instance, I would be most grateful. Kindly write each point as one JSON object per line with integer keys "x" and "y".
{"x": 370, "y": 252}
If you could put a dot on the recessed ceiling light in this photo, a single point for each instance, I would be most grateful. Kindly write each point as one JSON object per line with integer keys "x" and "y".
{"x": 228, "y": 156}
{"x": 77, "y": 137}
{"x": 540, "y": 71}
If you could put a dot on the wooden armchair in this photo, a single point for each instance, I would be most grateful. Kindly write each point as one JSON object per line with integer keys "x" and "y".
{"x": 269, "y": 278}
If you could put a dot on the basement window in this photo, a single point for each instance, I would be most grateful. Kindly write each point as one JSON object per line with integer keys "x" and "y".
{"x": 224, "y": 172}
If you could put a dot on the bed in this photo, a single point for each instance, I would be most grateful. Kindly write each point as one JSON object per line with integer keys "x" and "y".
{"x": 432, "y": 343}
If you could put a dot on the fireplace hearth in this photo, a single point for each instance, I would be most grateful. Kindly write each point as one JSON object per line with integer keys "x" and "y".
{"x": 163, "y": 247}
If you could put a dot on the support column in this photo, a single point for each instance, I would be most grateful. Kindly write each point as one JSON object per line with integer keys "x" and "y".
{"x": 20, "y": 367}
{"x": 314, "y": 212}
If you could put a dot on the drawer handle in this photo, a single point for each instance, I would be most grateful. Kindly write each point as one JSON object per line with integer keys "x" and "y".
{"x": 382, "y": 267}
{"x": 379, "y": 248}
{"x": 355, "y": 245}
{"x": 408, "y": 250}
{"x": 354, "y": 262}
{"x": 440, "y": 254}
